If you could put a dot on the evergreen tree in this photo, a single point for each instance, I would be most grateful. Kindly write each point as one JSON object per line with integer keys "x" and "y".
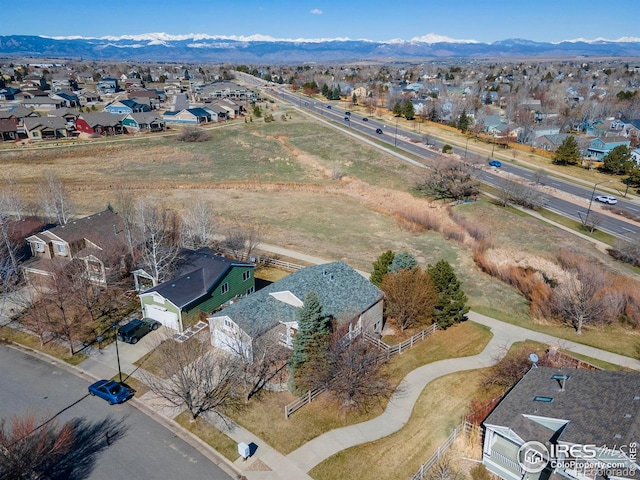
{"x": 451, "y": 305}
{"x": 618, "y": 161}
{"x": 464, "y": 122}
{"x": 403, "y": 261}
{"x": 408, "y": 111}
{"x": 354, "y": 99}
{"x": 397, "y": 109}
{"x": 325, "y": 91}
{"x": 310, "y": 343}
{"x": 381, "y": 267}
{"x": 335, "y": 94}
{"x": 568, "y": 153}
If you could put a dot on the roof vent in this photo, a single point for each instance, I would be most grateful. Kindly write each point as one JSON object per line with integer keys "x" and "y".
{"x": 637, "y": 397}
{"x": 539, "y": 398}
{"x": 617, "y": 436}
{"x": 562, "y": 380}
{"x": 188, "y": 277}
{"x": 331, "y": 277}
{"x": 627, "y": 415}
{"x": 173, "y": 284}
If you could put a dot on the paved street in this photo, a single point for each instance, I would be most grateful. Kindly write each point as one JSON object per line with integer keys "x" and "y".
{"x": 140, "y": 448}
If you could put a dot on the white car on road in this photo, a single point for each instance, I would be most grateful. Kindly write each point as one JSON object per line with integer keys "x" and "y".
{"x": 607, "y": 199}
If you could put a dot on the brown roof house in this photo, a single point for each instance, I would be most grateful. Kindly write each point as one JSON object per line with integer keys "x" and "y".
{"x": 96, "y": 243}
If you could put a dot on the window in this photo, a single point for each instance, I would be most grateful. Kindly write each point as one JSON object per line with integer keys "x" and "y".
{"x": 246, "y": 275}
{"x": 250, "y": 291}
{"x": 39, "y": 247}
{"x": 60, "y": 248}
{"x": 225, "y": 288}
{"x": 229, "y": 325}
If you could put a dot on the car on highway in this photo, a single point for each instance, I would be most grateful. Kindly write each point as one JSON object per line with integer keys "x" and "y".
{"x": 136, "y": 329}
{"x": 329, "y": 107}
{"x": 379, "y": 131}
{"x": 111, "y": 391}
{"x": 495, "y": 163}
{"x": 347, "y": 113}
{"x": 365, "y": 119}
{"x": 346, "y": 119}
{"x": 608, "y": 199}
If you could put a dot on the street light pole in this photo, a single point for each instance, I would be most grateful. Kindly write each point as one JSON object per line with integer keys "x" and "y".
{"x": 395, "y": 140}
{"x": 593, "y": 192}
{"x": 114, "y": 325}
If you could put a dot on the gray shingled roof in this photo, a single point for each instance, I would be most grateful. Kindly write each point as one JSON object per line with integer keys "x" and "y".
{"x": 343, "y": 293}
{"x": 198, "y": 271}
{"x": 100, "y": 228}
{"x": 601, "y": 406}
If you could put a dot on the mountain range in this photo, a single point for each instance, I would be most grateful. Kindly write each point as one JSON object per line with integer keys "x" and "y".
{"x": 211, "y": 49}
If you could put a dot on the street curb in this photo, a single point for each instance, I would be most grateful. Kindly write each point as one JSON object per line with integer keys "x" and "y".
{"x": 204, "y": 448}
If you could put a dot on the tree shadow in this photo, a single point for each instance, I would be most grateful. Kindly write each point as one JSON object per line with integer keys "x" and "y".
{"x": 90, "y": 439}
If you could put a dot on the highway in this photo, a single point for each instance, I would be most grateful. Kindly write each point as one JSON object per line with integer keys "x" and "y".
{"x": 115, "y": 441}
{"x": 412, "y": 142}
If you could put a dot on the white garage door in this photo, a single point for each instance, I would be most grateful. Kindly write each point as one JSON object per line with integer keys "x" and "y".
{"x": 165, "y": 317}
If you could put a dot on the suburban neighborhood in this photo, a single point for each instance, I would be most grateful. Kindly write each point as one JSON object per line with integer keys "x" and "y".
{"x": 420, "y": 268}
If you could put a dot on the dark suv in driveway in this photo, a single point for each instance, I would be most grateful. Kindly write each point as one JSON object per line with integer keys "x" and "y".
{"x": 136, "y": 329}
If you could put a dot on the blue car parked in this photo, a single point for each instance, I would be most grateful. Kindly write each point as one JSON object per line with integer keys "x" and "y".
{"x": 111, "y": 391}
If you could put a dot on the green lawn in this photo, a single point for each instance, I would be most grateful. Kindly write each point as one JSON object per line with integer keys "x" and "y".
{"x": 210, "y": 435}
{"x": 265, "y": 416}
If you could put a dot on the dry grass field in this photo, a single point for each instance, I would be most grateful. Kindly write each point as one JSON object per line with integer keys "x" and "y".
{"x": 305, "y": 185}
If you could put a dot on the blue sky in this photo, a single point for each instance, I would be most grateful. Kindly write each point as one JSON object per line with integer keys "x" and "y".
{"x": 380, "y": 20}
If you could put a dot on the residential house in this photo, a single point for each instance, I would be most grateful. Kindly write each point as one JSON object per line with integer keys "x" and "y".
{"x": 635, "y": 156}
{"x": 125, "y": 107}
{"x": 203, "y": 282}
{"x": 143, "y": 121}
{"x": 563, "y": 423}
{"x": 46, "y": 128}
{"x": 152, "y": 96}
{"x": 188, "y": 116}
{"x": 99, "y": 123}
{"x": 353, "y": 303}
{"x": 600, "y": 147}
{"x": 107, "y": 85}
{"x": 8, "y": 130}
{"x": 69, "y": 114}
{"x": 218, "y": 112}
{"x": 42, "y": 103}
{"x": 550, "y": 143}
{"x": 68, "y": 98}
{"x": 96, "y": 241}
{"x": 8, "y": 93}
{"x": 87, "y": 97}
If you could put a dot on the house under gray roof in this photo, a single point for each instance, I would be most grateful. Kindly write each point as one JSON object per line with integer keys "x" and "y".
{"x": 197, "y": 272}
{"x": 602, "y": 407}
{"x": 342, "y": 291}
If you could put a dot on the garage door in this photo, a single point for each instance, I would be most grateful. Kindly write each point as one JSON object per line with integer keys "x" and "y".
{"x": 165, "y": 317}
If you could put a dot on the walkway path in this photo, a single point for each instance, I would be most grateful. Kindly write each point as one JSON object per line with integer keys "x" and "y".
{"x": 401, "y": 404}
{"x": 268, "y": 464}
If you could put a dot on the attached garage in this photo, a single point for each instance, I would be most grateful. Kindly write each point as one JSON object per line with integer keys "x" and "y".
{"x": 165, "y": 317}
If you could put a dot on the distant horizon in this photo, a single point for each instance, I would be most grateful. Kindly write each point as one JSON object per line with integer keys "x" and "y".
{"x": 464, "y": 21}
{"x": 428, "y": 38}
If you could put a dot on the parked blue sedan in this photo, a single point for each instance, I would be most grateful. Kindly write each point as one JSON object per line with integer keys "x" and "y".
{"x": 111, "y": 391}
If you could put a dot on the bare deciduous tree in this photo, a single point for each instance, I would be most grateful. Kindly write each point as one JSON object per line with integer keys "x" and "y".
{"x": 55, "y": 198}
{"x": 157, "y": 231}
{"x": 11, "y": 202}
{"x": 28, "y": 449}
{"x": 355, "y": 376}
{"x": 583, "y": 299}
{"x": 198, "y": 225}
{"x": 410, "y": 297}
{"x": 450, "y": 180}
{"x": 197, "y": 376}
{"x": 242, "y": 241}
{"x": 511, "y": 191}
{"x": 444, "y": 469}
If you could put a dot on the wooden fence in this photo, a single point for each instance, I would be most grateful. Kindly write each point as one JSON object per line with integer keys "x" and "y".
{"x": 387, "y": 352}
{"x": 263, "y": 260}
{"x": 302, "y": 401}
{"x": 465, "y": 427}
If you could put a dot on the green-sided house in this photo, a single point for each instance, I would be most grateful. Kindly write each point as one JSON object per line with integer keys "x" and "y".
{"x": 204, "y": 281}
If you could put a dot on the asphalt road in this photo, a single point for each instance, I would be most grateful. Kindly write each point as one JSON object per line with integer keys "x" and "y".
{"x": 413, "y": 142}
{"x": 138, "y": 447}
